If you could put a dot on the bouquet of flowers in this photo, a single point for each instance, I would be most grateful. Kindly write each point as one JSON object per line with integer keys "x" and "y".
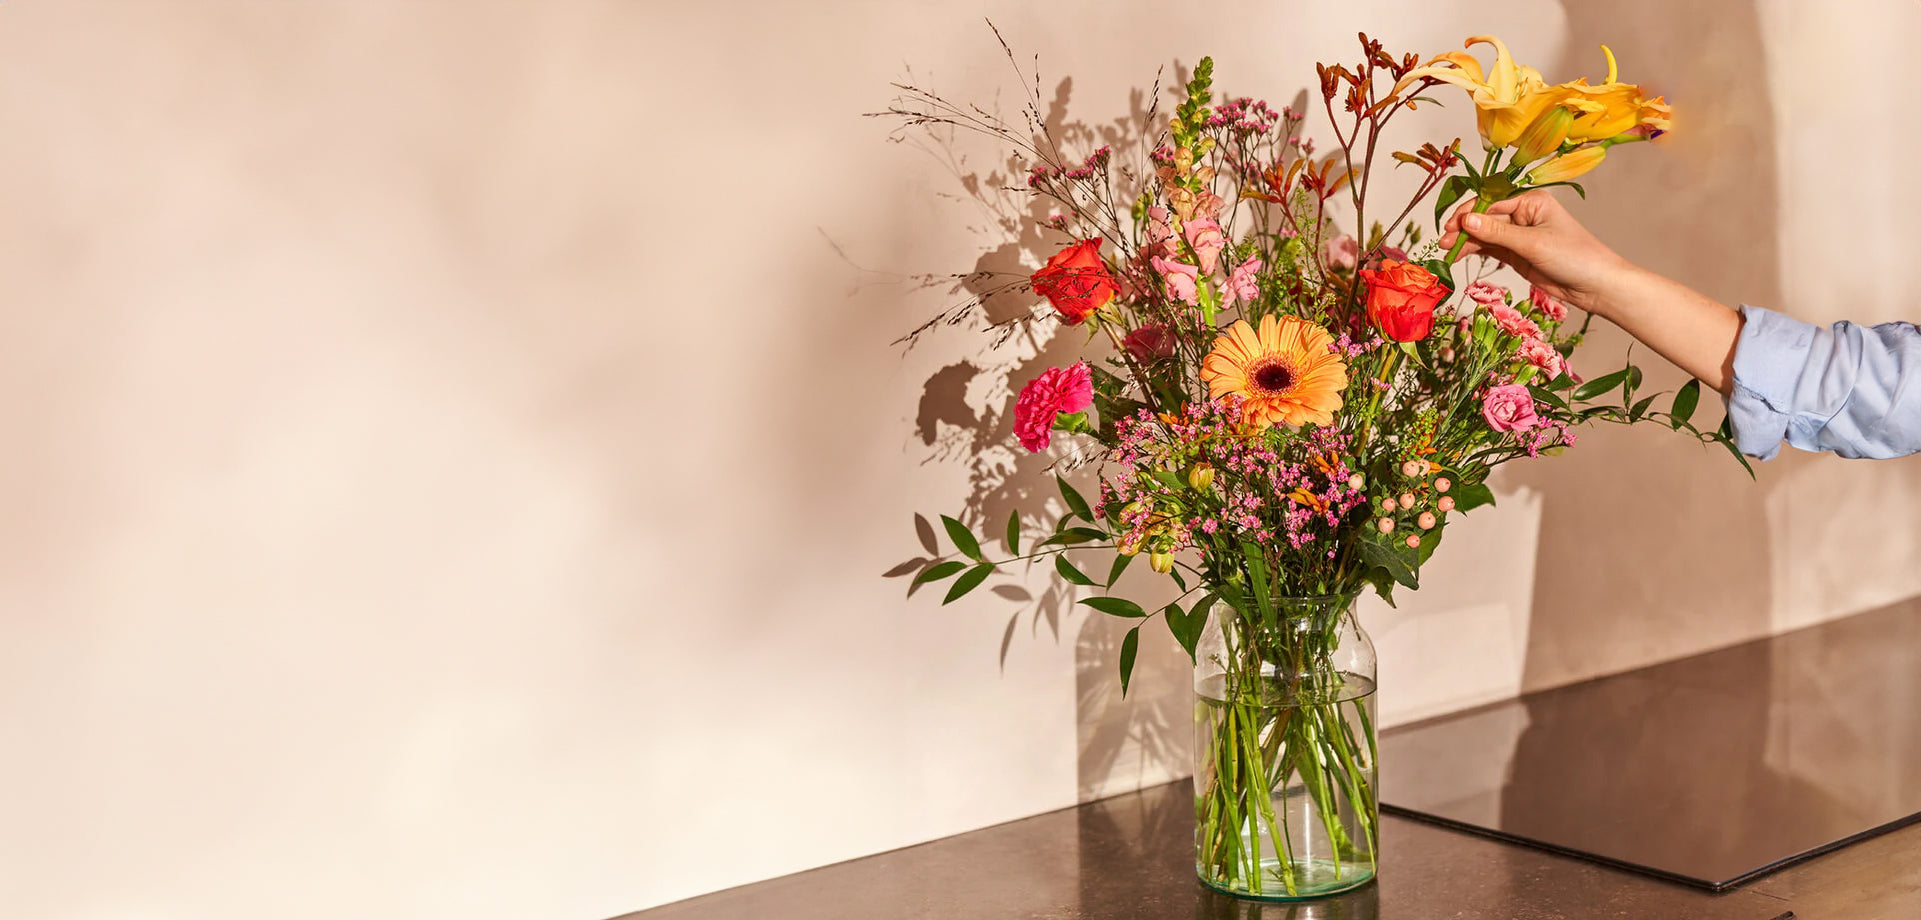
{"x": 1286, "y": 414}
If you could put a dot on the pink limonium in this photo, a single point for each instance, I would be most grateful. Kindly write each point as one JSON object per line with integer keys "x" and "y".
{"x": 1205, "y": 236}
{"x": 1549, "y": 305}
{"x": 1181, "y": 279}
{"x": 1341, "y": 253}
{"x": 1056, "y": 390}
{"x": 1509, "y": 407}
{"x": 1243, "y": 284}
{"x": 1486, "y": 292}
{"x": 1512, "y": 321}
{"x": 1541, "y": 354}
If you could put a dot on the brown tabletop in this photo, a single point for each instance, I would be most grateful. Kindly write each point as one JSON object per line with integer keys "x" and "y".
{"x": 1131, "y": 856}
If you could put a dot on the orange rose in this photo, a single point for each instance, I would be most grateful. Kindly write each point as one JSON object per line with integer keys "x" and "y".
{"x": 1076, "y": 281}
{"x": 1401, "y": 297}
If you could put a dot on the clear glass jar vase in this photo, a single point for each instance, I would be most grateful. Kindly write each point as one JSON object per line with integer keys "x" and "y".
{"x": 1284, "y": 748}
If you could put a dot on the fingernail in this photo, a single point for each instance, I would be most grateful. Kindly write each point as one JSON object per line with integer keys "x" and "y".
{"x": 1472, "y": 222}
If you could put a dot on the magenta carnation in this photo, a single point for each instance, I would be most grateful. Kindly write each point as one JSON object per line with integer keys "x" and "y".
{"x": 1486, "y": 292}
{"x": 1513, "y": 322}
{"x": 1056, "y": 390}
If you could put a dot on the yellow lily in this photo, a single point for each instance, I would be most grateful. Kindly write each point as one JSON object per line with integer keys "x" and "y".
{"x": 1506, "y": 100}
{"x": 1613, "y": 108}
{"x": 1567, "y": 166}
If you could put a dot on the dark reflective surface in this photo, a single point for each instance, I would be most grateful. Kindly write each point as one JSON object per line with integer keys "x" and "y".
{"x": 1132, "y": 856}
{"x": 1708, "y": 770}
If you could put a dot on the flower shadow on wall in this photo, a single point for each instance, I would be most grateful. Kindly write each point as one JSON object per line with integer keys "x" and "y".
{"x": 966, "y": 417}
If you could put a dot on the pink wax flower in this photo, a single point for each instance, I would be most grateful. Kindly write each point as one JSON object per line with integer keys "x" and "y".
{"x": 1341, "y": 253}
{"x": 1486, "y": 292}
{"x": 1509, "y": 407}
{"x": 1512, "y": 321}
{"x": 1149, "y": 343}
{"x": 1243, "y": 284}
{"x": 1181, "y": 279}
{"x": 1208, "y": 241}
{"x": 1056, "y": 390}
{"x": 1550, "y": 307}
{"x": 1542, "y": 355}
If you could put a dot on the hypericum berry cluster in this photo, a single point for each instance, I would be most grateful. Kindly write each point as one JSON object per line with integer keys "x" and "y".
{"x": 1421, "y": 503}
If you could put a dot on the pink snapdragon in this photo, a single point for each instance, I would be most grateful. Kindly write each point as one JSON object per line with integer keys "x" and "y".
{"x": 1207, "y": 240}
{"x": 1056, "y": 390}
{"x": 1509, "y": 407}
{"x": 1342, "y": 253}
{"x": 1243, "y": 284}
{"x": 1181, "y": 278}
{"x": 1550, "y": 306}
{"x": 1160, "y": 232}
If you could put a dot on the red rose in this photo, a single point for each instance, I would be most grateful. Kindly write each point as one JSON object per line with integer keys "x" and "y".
{"x": 1076, "y": 281}
{"x": 1401, "y": 297}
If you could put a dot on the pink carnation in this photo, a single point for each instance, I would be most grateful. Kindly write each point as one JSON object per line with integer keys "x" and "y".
{"x": 1549, "y": 306}
{"x": 1181, "y": 279}
{"x": 1512, "y": 321}
{"x": 1542, "y": 355}
{"x": 1486, "y": 292}
{"x": 1341, "y": 253}
{"x": 1244, "y": 283}
{"x": 1056, "y": 390}
{"x": 1509, "y": 407}
{"x": 1207, "y": 239}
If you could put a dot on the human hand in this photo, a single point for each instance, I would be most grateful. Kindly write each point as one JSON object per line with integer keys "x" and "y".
{"x": 1534, "y": 235}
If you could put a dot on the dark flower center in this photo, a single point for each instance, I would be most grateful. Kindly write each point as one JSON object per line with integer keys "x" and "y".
{"x": 1273, "y": 377}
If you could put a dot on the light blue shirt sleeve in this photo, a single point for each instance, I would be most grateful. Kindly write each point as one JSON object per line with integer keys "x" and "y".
{"x": 1854, "y": 390}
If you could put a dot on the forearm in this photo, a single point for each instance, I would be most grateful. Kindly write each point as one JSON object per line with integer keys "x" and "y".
{"x": 1695, "y": 333}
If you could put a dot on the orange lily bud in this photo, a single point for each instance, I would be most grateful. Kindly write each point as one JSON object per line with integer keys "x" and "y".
{"x": 1567, "y": 166}
{"x": 1545, "y": 135}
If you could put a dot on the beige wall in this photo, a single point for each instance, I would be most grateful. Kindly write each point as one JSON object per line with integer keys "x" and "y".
{"x": 451, "y": 448}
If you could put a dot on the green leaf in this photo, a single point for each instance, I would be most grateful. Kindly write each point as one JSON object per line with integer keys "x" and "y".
{"x": 1451, "y": 192}
{"x": 1014, "y": 532}
{"x": 1468, "y": 496}
{"x": 1074, "y": 535}
{"x": 1178, "y": 580}
{"x": 1075, "y": 503}
{"x": 962, "y": 537}
{"x": 1169, "y": 480}
{"x": 1069, "y": 572}
{"x": 1129, "y": 647}
{"x": 1116, "y": 606}
{"x": 1430, "y": 541}
{"x": 1600, "y": 385}
{"x": 1542, "y": 394}
{"x": 1634, "y": 379}
{"x": 1685, "y": 401}
{"x": 1187, "y": 627}
{"x": 1641, "y": 408}
{"x": 968, "y": 582}
{"x": 1121, "y": 562}
{"x": 1374, "y": 553}
{"x": 938, "y": 572}
{"x": 1725, "y": 437}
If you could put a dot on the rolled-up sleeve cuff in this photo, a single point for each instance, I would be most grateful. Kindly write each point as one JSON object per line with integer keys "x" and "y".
{"x": 1768, "y": 359}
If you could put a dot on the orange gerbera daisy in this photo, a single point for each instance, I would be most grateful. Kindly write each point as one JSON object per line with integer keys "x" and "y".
{"x": 1287, "y": 372}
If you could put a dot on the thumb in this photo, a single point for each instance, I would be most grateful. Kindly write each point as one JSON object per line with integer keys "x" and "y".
{"x": 1493, "y": 231}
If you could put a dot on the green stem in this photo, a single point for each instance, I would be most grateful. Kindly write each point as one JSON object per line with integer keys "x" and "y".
{"x": 1481, "y": 204}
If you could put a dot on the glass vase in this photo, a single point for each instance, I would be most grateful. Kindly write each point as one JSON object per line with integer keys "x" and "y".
{"x": 1284, "y": 747}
